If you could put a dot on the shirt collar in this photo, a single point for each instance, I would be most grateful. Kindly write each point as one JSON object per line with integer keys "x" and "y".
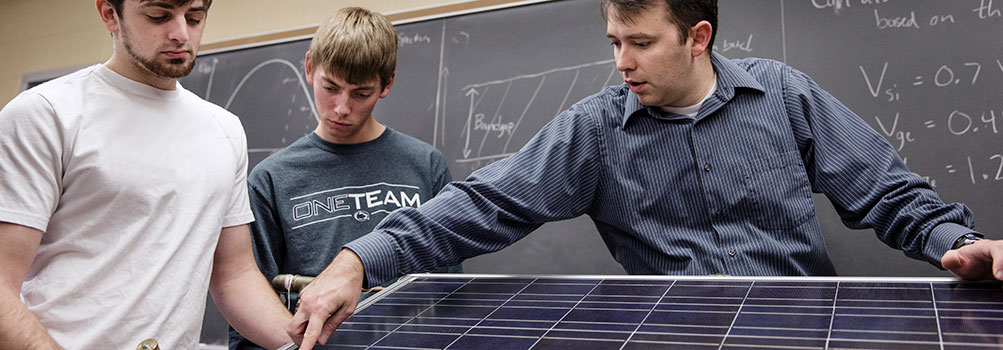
{"x": 729, "y": 78}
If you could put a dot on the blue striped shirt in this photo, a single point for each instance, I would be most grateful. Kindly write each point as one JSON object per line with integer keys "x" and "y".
{"x": 728, "y": 191}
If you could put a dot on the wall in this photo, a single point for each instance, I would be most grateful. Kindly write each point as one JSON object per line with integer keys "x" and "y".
{"x": 46, "y": 35}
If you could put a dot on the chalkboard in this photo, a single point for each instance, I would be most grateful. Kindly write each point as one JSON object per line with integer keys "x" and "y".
{"x": 928, "y": 76}
{"x": 925, "y": 74}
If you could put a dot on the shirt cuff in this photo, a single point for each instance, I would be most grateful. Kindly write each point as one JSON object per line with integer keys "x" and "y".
{"x": 24, "y": 219}
{"x": 239, "y": 219}
{"x": 379, "y": 260}
{"x": 942, "y": 239}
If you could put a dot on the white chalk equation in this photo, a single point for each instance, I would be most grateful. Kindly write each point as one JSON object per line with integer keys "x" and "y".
{"x": 976, "y": 170}
{"x": 497, "y": 109}
{"x": 960, "y": 75}
{"x": 994, "y": 161}
{"x": 964, "y": 122}
{"x": 959, "y": 122}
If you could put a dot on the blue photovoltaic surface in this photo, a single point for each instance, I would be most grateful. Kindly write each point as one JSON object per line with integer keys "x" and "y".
{"x": 622, "y": 312}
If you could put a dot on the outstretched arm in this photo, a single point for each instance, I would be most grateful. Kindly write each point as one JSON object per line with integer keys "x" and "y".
{"x": 19, "y": 328}
{"x": 867, "y": 182}
{"x": 553, "y": 177}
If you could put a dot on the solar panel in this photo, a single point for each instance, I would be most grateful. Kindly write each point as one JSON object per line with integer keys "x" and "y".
{"x": 456, "y": 311}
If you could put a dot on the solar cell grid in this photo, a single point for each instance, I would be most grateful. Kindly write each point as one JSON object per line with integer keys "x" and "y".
{"x": 622, "y": 312}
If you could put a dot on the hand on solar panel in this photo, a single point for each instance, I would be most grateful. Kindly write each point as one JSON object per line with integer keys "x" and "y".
{"x": 982, "y": 260}
{"x": 327, "y": 301}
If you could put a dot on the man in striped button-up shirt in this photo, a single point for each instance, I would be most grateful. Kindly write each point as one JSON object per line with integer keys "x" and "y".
{"x": 696, "y": 165}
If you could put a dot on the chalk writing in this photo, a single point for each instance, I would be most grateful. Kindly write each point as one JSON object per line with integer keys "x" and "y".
{"x": 975, "y": 176}
{"x": 405, "y": 39}
{"x": 876, "y": 89}
{"x": 885, "y": 19}
{"x": 941, "y": 19}
{"x": 896, "y": 22}
{"x": 901, "y": 136}
{"x": 833, "y": 4}
{"x": 945, "y": 76}
{"x": 960, "y": 123}
{"x": 482, "y": 124}
{"x": 741, "y": 45}
{"x": 495, "y": 125}
{"x": 979, "y": 170}
{"x": 986, "y": 10}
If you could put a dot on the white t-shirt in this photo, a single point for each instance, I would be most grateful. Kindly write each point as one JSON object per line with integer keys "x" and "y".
{"x": 131, "y": 186}
{"x": 691, "y": 111}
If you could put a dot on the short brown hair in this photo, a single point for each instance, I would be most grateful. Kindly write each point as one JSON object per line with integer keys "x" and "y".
{"x": 356, "y": 45}
{"x": 117, "y": 4}
{"x": 683, "y": 13}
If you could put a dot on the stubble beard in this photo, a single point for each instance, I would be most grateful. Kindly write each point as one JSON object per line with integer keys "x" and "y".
{"x": 173, "y": 69}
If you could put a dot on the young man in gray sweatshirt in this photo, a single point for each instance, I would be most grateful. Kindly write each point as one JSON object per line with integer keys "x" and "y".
{"x": 335, "y": 184}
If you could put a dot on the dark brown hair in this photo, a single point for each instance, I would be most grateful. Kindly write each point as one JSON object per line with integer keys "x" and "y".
{"x": 683, "y": 13}
{"x": 117, "y": 4}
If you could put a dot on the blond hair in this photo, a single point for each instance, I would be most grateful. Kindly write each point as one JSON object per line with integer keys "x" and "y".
{"x": 357, "y": 45}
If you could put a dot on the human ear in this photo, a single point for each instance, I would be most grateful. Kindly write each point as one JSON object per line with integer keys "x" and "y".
{"x": 386, "y": 89}
{"x": 308, "y": 69}
{"x": 700, "y": 34}
{"x": 108, "y": 15}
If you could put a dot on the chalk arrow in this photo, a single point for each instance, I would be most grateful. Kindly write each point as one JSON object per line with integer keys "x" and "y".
{"x": 472, "y": 93}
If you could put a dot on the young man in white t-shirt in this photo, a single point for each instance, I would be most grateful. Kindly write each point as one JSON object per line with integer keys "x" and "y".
{"x": 124, "y": 199}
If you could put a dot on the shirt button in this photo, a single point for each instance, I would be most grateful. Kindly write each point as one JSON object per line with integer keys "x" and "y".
{"x": 718, "y": 213}
{"x": 706, "y": 167}
{"x": 732, "y": 253}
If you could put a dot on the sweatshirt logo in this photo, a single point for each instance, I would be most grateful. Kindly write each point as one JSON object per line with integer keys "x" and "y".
{"x": 353, "y": 202}
{"x": 361, "y": 215}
